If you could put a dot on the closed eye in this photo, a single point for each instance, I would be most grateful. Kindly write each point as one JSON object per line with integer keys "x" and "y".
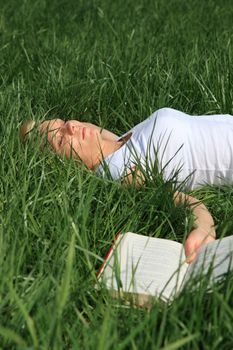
{"x": 60, "y": 141}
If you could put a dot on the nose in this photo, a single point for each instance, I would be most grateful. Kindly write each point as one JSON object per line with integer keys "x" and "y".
{"x": 70, "y": 127}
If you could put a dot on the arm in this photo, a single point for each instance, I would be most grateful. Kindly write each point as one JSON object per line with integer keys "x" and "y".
{"x": 203, "y": 231}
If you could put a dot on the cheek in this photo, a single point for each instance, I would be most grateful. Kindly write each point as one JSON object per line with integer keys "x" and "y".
{"x": 86, "y": 150}
{"x": 96, "y": 138}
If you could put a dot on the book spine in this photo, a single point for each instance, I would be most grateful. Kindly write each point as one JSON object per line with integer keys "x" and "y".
{"x": 109, "y": 253}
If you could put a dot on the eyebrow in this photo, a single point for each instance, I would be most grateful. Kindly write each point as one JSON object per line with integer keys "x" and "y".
{"x": 51, "y": 138}
{"x": 54, "y": 129}
{"x": 58, "y": 142}
{"x": 51, "y": 130}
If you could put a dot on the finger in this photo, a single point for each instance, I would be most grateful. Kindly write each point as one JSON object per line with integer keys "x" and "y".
{"x": 190, "y": 251}
{"x": 191, "y": 257}
{"x": 189, "y": 247}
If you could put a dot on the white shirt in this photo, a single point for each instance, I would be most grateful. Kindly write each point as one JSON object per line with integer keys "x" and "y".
{"x": 192, "y": 150}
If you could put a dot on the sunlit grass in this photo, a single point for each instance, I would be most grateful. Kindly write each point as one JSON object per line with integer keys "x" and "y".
{"x": 111, "y": 63}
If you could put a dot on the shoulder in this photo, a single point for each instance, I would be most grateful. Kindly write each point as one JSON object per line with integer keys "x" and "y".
{"x": 152, "y": 120}
{"x": 171, "y": 113}
{"x": 165, "y": 115}
{"x": 160, "y": 114}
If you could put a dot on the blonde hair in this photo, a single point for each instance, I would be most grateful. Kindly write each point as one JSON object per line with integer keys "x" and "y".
{"x": 25, "y": 130}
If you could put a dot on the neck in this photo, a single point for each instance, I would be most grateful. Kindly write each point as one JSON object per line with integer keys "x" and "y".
{"x": 108, "y": 148}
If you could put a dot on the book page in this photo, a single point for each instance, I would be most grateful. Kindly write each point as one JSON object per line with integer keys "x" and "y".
{"x": 146, "y": 265}
{"x": 215, "y": 259}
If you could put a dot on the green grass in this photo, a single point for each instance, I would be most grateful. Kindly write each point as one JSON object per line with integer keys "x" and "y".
{"x": 112, "y": 63}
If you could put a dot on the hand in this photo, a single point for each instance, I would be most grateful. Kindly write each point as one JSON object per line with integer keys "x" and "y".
{"x": 197, "y": 238}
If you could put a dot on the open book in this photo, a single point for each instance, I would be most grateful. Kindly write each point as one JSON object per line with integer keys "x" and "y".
{"x": 145, "y": 267}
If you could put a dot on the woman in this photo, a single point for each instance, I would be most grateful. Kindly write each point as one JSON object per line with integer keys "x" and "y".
{"x": 194, "y": 150}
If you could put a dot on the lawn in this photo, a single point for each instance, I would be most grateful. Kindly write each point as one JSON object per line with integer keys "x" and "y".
{"x": 111, "y": 63}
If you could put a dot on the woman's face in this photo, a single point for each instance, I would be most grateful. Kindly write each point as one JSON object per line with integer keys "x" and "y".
{"x": 75, "y": 139}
